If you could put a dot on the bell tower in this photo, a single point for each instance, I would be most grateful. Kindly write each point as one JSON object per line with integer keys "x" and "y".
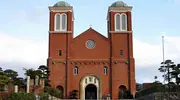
{"x": 61, "y": 28}
{"x": 119, "y": 23}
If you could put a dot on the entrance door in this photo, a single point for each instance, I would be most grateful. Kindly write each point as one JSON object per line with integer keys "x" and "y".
{"x": 91, "y": 92}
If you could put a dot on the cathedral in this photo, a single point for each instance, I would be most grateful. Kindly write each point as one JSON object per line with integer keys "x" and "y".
{"x": 92, "y": 65}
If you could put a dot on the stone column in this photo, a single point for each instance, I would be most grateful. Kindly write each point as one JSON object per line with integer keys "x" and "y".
{"x": 28, "y": 82}
{"x": 15, "y": 88}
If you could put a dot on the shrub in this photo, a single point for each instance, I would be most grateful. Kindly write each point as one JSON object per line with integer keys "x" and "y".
{"x": 44, "y": 96}
{"x": 22, "y": 96}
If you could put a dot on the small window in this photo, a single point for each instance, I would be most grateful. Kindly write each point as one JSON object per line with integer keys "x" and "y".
{"x": 90, "y": 79}
{"x": 86, "y": 80}
{"x": 94, "y": 80}
{"x": 105, "y": 70}
{"x": 121, "y": 52}
{"x": 75, "y": 70}
{"x": 60, "y": 53}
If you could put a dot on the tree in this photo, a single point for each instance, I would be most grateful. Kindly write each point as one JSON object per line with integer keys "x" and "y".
{"x": 45, "y": 73}
{"x": 3, "y": 81}
{"x": 33, "y": 73}
{"x": 1, "y": 69}
{"x": 22, "y": 96}
{"x": 11, "y": 74}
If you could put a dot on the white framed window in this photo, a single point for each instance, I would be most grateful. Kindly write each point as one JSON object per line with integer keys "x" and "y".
{"x": 105, "y": 70}
{"x": 60, "y": 22}
{"x": 117, "y": 22}
{"x": 120, "y": 21}
{"x": 75, "y": 70}
{"x": 57, "y": 22}
{"x": 63, "y": 22}
{"x": 123, "y": 22}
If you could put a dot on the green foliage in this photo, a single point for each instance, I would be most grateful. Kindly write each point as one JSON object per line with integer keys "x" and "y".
{"x": 152, "y": 89}
{"x": 3, "y": 81}
{"x": 45, "y": 73}
{"x": 73, "y": 94}
{"x": 11, "y": 73}
{"x": 53, "y": 92}
{"x": 44, "y": 96}
{"x": 33, "y": 73}
{"x": 22, "y": 96}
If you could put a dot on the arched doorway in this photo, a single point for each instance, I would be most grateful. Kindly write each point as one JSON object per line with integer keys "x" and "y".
{"x": 90, "y": 85}
{"x": 122, "y": 90}
{"x": 91, "y": 92}
{"x": 60, "y": 89}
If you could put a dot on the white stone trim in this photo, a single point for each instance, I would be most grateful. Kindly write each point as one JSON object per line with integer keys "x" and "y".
{"x": 60, "y": 31}
{"x": 62, "y": 9}
{"x": 83, "y": 85}
{"x": 120, "y": 31}
{"x": 119, "y": 9}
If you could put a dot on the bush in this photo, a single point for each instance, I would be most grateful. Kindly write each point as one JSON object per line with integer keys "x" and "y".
{"x": 22, "y": 96}
{"x": 152, "y": 89}
{"x": 44, "y": 96}
{"x": 53, "y": 92}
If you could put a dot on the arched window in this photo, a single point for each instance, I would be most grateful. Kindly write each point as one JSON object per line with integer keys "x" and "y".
{"x": 121, "y": 52}
{"x": 124, "y": 22}
{"x": 63, "y": 22}
{"x": 75, "y": 70}
{"x": 105, "y": 70}
{"x": 117, "y": 22}
{"x": 57, "y": 22}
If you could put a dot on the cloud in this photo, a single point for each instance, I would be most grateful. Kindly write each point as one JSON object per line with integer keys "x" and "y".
{"x": 17, "y": 53}
{"x": 148, "y": 57}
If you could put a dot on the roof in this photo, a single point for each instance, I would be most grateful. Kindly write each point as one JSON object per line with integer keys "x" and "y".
{"x": 119, "y": 4}
{"x": 62, "y": 4}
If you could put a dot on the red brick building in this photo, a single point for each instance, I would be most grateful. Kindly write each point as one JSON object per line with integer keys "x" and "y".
{"x": 95, "y": 65}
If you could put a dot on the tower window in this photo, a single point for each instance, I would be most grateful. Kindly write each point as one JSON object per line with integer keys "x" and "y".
{"x": 64, "y": 22}
{"x": 60, "y": 53}
{"x": 124, "y": 22}
{"x": 60, "y": 22}
{"x": 57, "y": 22}
{"x": 121, "y": 52}
{"x": 117, "y": 22}
{"x": 75, "y": 70}
{"x": 105, "y": 70}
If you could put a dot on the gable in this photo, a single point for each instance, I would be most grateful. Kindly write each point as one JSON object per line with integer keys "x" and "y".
{"x": 79, "y": 48}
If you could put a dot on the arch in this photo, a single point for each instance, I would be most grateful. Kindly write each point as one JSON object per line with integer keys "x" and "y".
{"x": 60, "y": 89}
{"x": 123, "y": 22}
{"x": 57, "y": 22}
{"x": 117, "y": 19}
{"x": 75, "y": 70}
{"x": 85, "y": 81}
{"x": 63, "y": 22}
{"x": 122, "y": 90}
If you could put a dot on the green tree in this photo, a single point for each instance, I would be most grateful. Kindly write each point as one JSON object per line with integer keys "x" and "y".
{"x": 33, "y": 73}
{"x": 3, "y": 81}
{"x": 11, "y": 74}
{"x": 45, "y": 73}
{"x": 22, "y": 96}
